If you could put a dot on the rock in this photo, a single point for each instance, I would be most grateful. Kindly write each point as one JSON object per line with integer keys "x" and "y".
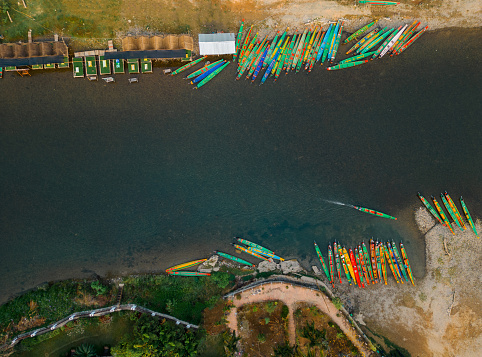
{"x": 216, "y": 269}
{"x": 290, "y": 266}
{"x": 424, "y": 220}
{"x": 201, "y": 270}
{"x": 316, "y": 270}
{"x": 359, "y": 318}
{"x": 267, "y": 265}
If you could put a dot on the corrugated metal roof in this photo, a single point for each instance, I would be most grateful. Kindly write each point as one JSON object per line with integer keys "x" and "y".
{"x": 217, "y": 37}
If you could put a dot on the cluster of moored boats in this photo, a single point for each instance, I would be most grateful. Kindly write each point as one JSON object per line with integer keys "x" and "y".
{"x": 452, "y": 210}
{"x": 203, "y": 75}
{"x": 361, "y": 267}
{"x": 285, "y": 53}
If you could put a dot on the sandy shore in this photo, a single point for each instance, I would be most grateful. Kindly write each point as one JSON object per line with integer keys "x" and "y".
{"x": 442, "y": 314}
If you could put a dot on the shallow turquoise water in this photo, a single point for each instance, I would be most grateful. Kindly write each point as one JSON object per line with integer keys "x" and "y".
{"x": 123, "y": 178}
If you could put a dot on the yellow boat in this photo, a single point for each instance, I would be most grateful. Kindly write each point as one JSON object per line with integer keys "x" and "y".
{"x": 348, "y": 264}
{"x": 186, "y": 265}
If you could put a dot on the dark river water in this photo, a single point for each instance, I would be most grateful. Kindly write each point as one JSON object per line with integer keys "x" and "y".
{"x": 122, "y": 178}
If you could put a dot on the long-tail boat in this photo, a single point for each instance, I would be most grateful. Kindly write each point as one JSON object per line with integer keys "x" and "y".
{"x": 337, "y": 43}
{"x": 247, "y": 52}
{"x": 357, "y": 58}
{"x": 405, "y": 37}
{"x": 212, "y": 75}
{"x": 376, "y": 41}
{"x": 392, "y": 42}
{"x": 405, "y": 40}
{"x": 406, "y": 262}
{"x": 359, "y": 32}
{"x": 238, "y": 40}
{"x": 390, "y": 263}
{"x": 345, "y": 267}
{"x": 383, "y": 262}
{"x": 254, "y": 245}
{"x": 379, "y": 260}
{"x": 186, "y": 265}
{"x": 374, "y": 261}
{"x": 248, "y": 62}
{"x": 355, "y": 268}
{"x": 250, "y": 252}
{"x": 441, "y": 213}
{"x": 399, "y": 258}
{"x": 385, "y": 43}
{"x": 455, "y": 210}
{"x": 333, "y": 40}
{"x": 204, "y": 69}
{"x": 281, "y": 57}
{"x": 259, "y": 66}
{"x": 279, "y": 65}
{"x": 207, "y": 73}
{"x": 377, "y": 2}
{"x": 299, "y": 60}
{"x": 257, "y": 60}
{"x": 265, "y": 253}
{"x": 469, "y": 217}
{"x": 322, "y": 261}
{"x": 450, "y": 211}
{"x": 337, "y": 260}
{"x": 324, "y": 44}
{"x": 360, "y": 269}
{"x": 349, "y": 265}
{"x": 363, "y": 40}
{"x": 368, "y": 264}
{"x": 245, "y": 44}
{"x": 361, "y": 263}
{"x": 371, "y": 40}
{"x": 270, "y": 67}
{"x": 373, "y": 212}
{"x": 332, "y": 266}
{"x": 396, "y": 263}
{"x": 187, "y": 66}
{"x": 233, "y": 258}
{"x": 347, "y": 65}
{"x": 290, "y": 54}
{"x": 271, "y": 49}
{"x": 188, "y": 273}
{"x": 430, "y": 208}
{"x": 412, "y": 40}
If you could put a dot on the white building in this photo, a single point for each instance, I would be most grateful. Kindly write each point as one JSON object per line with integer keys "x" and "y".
{"x": 217, "y": 44}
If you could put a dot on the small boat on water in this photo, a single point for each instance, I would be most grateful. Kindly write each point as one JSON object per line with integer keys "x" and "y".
{"x": 212, "y": 75}
{"x": 337, "y": 260}
{"x": 390, "y": 263}
{"x": 265, "y": 253}
{"x": 322, "y": 261}
{"x": 358, "y": 57}
{"x": 254, "y": 245}
{"x": 441, "y": 213}
{"x": 355, "y": 268}
{"x": 346, "y": 65}
{"x": 235, "y": 259}
{"x": 455, "y": 210}
{"x": 186, "y": 265}
{"x": 188, "y": 273}
{"x": 349, "y": 265}
{"x": 406, "y": 262}
{"x": 187, "y": 66}
{"x": 332, "y": 273}
{"x": 373, "y": 212}
{"x": 430, "y": 208}
{"x": 374, "y": 261}
{"x": 204, "y": 69}
{"x": 250, "y": 252}
{"x": 469, "y": 217}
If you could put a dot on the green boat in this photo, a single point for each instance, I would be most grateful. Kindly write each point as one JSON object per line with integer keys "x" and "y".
{"x": 188, "y": 273}
{"x": 146, "y": 65}
{"x": 469, "y": 217}
{"x": 119, "y": 66}
{"x": 412, "y": 40}
{"x": 90, "y": 66}
{"x": 455, "y": 210}
{"x": 359, "y": 32}
{"x": 187, "y": 66}
{"x": 406, "y": 262}
{"x": 203, "y": 70}
{"x": 133, "y": 65}
{"x": 377, "y": 41}
{"x": 265, "y": 253}
{"x": 65, "y": 63}
{"x": 357, "y": 58}
{"x": 441, "y": 213}
{"x": 347, "y": 65}
{"x": 399, "y": 258}
{"x": 318, "y": 251}
{"x": 386, "y": 42}
{"x": 337, "y": 43}
{"x": 430, "y": 208}
{"x": 104, "y": 65}
{"x": 371, "y": 211}
{"x": 373, "y": 41}
{"x": 212, "y": 75}
{"x": 450, "y": 211}
{"x": 366, "y": 256}
{"x": 254, "y": 245}
{"x": 238, "y": 40}
{"x": 363, "y": 40}
{"x": 233, "y": 258}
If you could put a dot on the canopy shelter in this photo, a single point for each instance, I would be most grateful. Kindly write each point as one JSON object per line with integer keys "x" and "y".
{"x": 217, "y": 44}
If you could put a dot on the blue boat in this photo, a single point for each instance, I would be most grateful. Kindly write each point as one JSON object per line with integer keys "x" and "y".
{"x": 270, "y": 67}
{"x": 260, "y": 65}
{"x": 207, "y": 73}
{"x": 323, "y": 43}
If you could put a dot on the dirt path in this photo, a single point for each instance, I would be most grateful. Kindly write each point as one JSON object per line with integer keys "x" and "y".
{"x": 291, "y": 295}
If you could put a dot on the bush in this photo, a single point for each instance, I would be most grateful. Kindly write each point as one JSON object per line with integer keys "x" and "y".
{"x": 337, "y": 302}
{"x": 284, "y": 312}
{"x": 98, "y": 288}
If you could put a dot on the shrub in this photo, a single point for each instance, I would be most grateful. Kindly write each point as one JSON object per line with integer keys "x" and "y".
{"x": 284, "y": 312}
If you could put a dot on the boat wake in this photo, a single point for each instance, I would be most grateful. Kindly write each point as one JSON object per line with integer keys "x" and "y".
{"x": 338, "y": 203}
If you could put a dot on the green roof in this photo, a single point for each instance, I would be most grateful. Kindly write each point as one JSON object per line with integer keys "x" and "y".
{"x": 118, "y": 66}
{"x": 146, "y": 65}
{"x": 90, "y": 66}
{"x": 104, "y": 65}
{"x": 78, "y": 67}
{"x": 133, "y": 65}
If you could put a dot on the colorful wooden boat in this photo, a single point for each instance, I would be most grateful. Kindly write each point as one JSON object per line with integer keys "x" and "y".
{"x": 238, "y": 39}
{"x": 363, "y": 40}
{"x": 245, "y": 44}
{"x": 383, "y": 262}
{"x": 374, "y": 261}
{"x": 204, "y": 69}
{"x": 270, "y": 67}
{"x": 392, "y": 41}
{"x": 441, "y": 213}
{"x": 361, "y": 264}
{"x": 249, "y": 49}
{"x": 254, "y": 245}
{"x": 259, "y": 66}
{"x": 212, "y": 75}
{"x": 235, "y": 259}
{"x": 265, "y": 253}
{"x": 250, "y": 252}
{"x": 360, "y": 269}
{"x": 390, "y": 263}
{"x": 412, "y": 40}
{"x": 322, "y": 261}
{"x": 396, "y": 263}
{"x": 324, "y": 44}
{"x": 402, "y": 38}
{"x": 406, "y": 262}
{"x": 337, "y": 260}
{"x": 271, "y": 49}
{"x": 357, "y": 58}
{"x": 376, "y": 40}
{"x": 450, "y": 211}
{"x": 344, "y": 265}
{"x": 430, "y": 208}
{"x": 385, "y": 43}
{"x": 333, "y": 40}
{"x": 1, "y": 72}
{"x": 186, "y": 265}
{"x": 359, "y": 32}
{"x": 188, "y": 273}
{"x": 469, "y": 217}
{"x": 207, "y": 73}
{"x": 355, "y": 268}
{"x": 337, "y": 43}
{"x": 371, "y": 40}
{"x": 349, "y": 265}
{"x": 455, "y": 210}
{"x": 376, "y": 2}
{"x": 187, "y": 66}
{"x": 347, "y": 65}
{"x": 399, "y": 259}
{"x": 332, "y": 267}
{"x": 366, "y": 257}
{"x": 405, "y": 40}
{"x": 373, "y": 212}
{"x": 379, "y": 260}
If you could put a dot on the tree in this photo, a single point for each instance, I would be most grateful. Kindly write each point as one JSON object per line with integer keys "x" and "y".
{"x": 230, "y": 342}
{"x": 315, "y": 336}
{"x": 284, "y": 350}
{"x": 85, "y": 350}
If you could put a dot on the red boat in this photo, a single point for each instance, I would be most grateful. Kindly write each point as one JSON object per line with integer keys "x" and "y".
{"x": 355, "y": 269}
{"x": 332, "y": 274}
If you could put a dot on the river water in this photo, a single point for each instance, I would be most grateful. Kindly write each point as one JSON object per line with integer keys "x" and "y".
{"x": 123, "y": 178}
